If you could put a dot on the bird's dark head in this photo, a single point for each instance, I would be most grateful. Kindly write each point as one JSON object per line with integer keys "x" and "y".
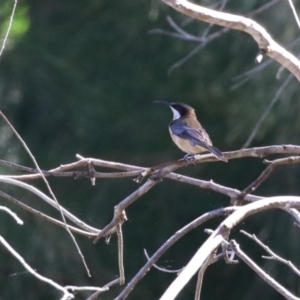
{"x": 179, "y": 109}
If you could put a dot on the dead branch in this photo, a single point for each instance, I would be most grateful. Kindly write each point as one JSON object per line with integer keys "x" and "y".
{"x": 12, "y": 214}
{"x": 266, "y": 173}
{"x": 161, "y": 268}
{"x": 45, "y": 217}
{"x": 44, "y": 197}
{"x": 171, "y": 241}
{"x": 259, "y": 34}
{"x": 119, "y": 213}
{"x": 201, "y": 275}
{"x": 267, "y": 278}
{"x": 273, "y": 255}
{"x": 60, "y": 288}
{"x": 221, "y": 234}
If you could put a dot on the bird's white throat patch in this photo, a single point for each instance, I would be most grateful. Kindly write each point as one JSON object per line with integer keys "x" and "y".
{"x": 176, "y": 114}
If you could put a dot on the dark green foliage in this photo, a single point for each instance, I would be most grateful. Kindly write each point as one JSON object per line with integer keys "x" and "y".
{"x": 81, "y": 78}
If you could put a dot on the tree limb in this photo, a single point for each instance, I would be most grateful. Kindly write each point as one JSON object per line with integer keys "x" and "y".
{"x": 258, "y": 33}
{"x": 221, "y": 234}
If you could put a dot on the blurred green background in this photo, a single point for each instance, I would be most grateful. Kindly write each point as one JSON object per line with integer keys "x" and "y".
{"x": 81, "y": 77}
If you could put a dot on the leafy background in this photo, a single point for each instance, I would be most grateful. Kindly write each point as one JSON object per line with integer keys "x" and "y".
{"x": 81, "y": 77}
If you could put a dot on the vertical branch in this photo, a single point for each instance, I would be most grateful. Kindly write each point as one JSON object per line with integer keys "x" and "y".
{"x": 120, "y": 253}
{"x": 201, "y": 275}
{"x": 9, "y": 27}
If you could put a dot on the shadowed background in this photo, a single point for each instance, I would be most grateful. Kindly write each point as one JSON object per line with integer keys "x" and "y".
{"x": 81, "y": 77}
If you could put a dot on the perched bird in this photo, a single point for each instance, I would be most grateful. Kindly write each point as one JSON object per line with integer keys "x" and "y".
{"x": 187, "y": 133}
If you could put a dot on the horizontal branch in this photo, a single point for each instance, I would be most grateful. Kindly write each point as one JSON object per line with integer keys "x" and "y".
{"x": 132, "y": 171}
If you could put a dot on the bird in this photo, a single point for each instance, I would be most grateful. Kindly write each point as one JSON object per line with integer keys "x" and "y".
{"x": 187, "y": 132}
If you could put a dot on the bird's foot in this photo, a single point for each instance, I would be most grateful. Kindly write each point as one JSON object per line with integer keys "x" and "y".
{"x": 189, "y": 157}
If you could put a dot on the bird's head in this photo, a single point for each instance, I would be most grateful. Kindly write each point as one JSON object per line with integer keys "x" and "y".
{"x": 179, "y": 109}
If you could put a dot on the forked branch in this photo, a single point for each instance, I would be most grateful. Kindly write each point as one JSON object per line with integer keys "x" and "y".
{"x": 258, "y": 33}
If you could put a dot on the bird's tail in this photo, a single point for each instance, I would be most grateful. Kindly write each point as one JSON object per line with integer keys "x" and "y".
{"x": 217, "y": 153}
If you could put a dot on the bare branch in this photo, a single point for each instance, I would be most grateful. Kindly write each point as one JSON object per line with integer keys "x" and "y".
{"x": 160, "y": 268}
{"x": 41, "y": 195}
{"x": 120, "y": 208}
{"x": 273, "y": 256}
{"x": 171, "y": 241}
{"x": 60, "y": 288}
{"x": 266, "y": 173}
{"x": 94, "y": 296}
{"x": 12, "y": 214}
{"x": 201, "y": 275}
{"x": 267, "y": 278}
{"x": 259, "y": 34}
{"x": 221, "y": 234}
{"x": 120, "y": 253}
{"x": 49, "y": 189}
{"x": 192, "y": 53}
{"x": 74, "y": 288}
{"x": 246, "y": 76}
{"x": 267, "y": 111}
{"x": 294, "y": 12}
{"x": 132, "y": 171}
{"x": 45, "y": 217}
{"x": 204, "y": 39}
{"x": 9, "y": 27}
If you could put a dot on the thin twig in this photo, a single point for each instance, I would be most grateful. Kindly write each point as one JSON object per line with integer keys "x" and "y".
{"x": 74, "y": 288}
{"x": 12, "y": 214}
{"x": 267, "y": 111}
{"x": 266, "y": 277}
{"x": 121, "y": 253}
{"x": 49, "y": 189}
{"x": 132, "y": 170}
{"x": 47, "y": 199}
{"x": 33, "y": 272}
{"x": 64, "y": 173}
{"x": 204, "y": 39}
{"x": 120, "y": 208}
{"x": 222, "y": 233}
{"x": 255, "y": 30}
{"x": 266, "y": 173}
{"x": 160, "y": 268}
{"x": 9, "y": 27}
{"x": 201, "y": 275}
{"x": 294, "y": 12}
{"x": 247, "y": 75}
{"x": 273, "y": 256}
{"x": 45, "y": 217}
{"x": 186, "y": 58}
{"x": 171, "y": 241}
{"x": 108, "y": 285}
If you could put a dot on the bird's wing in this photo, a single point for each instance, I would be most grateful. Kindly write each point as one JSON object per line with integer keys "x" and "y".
{"x": 197, "y": 136}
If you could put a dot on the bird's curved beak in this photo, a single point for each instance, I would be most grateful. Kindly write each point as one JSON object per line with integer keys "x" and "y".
{"x": 162, "y": 102}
